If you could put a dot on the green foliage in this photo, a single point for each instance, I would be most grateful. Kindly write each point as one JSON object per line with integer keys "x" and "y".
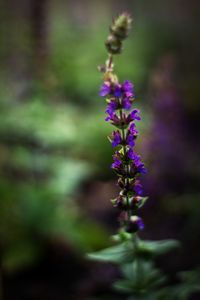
{"x": 41, "y": 174}
{"x": 140, "y": 278}
{"x": 126, "y": 252}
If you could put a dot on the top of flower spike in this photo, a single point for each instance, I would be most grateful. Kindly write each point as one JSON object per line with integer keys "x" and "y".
{"x": 118, "y": 32}
{"x": 121, "y": 26}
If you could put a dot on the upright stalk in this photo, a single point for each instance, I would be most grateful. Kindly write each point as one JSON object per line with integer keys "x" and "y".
{"x": 119, "y": 97}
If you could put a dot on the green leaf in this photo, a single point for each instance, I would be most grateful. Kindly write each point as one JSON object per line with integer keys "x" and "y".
{"x": 140, "y": 278}
{"x": 142, "y": 202}
{"x": 121, "y": 253}
{"x": 153, "y": 248}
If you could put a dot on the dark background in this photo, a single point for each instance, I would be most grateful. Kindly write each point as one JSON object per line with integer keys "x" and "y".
{"x": 55, "y": 158}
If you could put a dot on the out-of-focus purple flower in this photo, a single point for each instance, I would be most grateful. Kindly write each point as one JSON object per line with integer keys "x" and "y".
{"x": 112, "y": 106}
{"x": 105, "y": 89}
{"x": 134, "y": 115}
{"x": 138, "y": 221}
{"x": 135, "y": 224}
{"x": 117, "y": 91}
{"x": 127, "y": 88}
{"x": 138, "y": 187}
{"x": 126, "y": 103}
{"x": 139, "y": 164}
{"x": 116, "y": 138}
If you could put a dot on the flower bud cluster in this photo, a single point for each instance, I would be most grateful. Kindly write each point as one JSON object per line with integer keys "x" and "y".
{"x": 118, "y": 32}
{"x": 126, "y": 163}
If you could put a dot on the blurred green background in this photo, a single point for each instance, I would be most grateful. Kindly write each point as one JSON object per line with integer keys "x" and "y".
{"x": 55, "y": 158}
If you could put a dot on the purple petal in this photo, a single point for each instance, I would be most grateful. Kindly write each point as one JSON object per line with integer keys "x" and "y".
{"x": 134, "y": 115}
{"x": 126, "y": 103}
{"x": 130, "y": 140}
{"x": 131, "y": 154}
{"x": 133, "y": 129}
{"x": 117, "y": 91}
{"x": 116, "y": 138}
{"x": 105, "y": 89}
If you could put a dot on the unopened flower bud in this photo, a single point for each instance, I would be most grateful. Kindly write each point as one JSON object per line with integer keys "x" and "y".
{"x": 113, "y": 44}
{"x": 121, "y": 26}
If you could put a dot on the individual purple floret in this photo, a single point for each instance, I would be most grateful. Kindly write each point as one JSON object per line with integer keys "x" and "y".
{"x": 117, "y": 91}
{"x": 138, "y": 164}
{"x": 117, "y": 164}
{"x": 130, "y": 140}
{"x": 127, "y": 88}
{"x": 134, "y": 115}
{"x": 130, "y": 154}
{"x": 135, "y": 224}
{"x": 133, "y": 129}
{"x": 105, "y": 89}
{"x": 138, "y": 187}
{"x": 112, "y": 107}
{"x": 116, "y": 138}
{"x": 126, "y": 103}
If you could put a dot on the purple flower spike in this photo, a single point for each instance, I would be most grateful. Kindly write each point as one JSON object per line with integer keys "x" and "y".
{"x": 105, "y": 89}
{"x": 116, "y": 138}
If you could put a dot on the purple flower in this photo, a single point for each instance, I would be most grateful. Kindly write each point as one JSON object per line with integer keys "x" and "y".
{"x": 130, "y": 139}
{"x": 130, "y": 153}
{"x": 126, "y": 103}
{"x": 134, "y": 115}
{"x": 138, "y": 164}
{"x": 138, "y": 221}
{"x": 105, "y": 89}
{"x": 133, "y": 129}
{"x": 112, "y": 117}
{"x": 117, "y": 91}
{"x": 111, "y": 107}
{"x": 135, "y": 224}
{"x": 117, "y": 164}
{"x": 138, "y": 187}
{"x": 116, "y": 138}
{"x": 127, "y": 87}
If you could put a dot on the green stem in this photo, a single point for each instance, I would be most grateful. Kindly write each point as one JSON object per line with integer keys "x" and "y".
{"x": 126, "y": 179}
{"x": 138, "y": 265}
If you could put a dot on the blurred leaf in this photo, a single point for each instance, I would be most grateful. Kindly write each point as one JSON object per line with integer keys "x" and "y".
{"x": 140, "y": 278}
{"x": 121, "y": 253}
{"x": 153, "y": 248}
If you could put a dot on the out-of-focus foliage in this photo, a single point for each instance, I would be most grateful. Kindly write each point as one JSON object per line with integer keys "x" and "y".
{"x": 40, "y": 179}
